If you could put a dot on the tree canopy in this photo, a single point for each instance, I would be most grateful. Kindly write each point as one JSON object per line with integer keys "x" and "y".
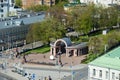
{"x": 18, "y": 3}
{"x": 90, "y": 18}
{"x": 37, "y": 8}
{"x": 44, "y": 31}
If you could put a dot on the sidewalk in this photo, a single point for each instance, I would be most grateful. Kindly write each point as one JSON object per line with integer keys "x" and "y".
{"x": 76, "y": 67}
{"x": 11, "y": 75}
{"x": 16, "y": 76}
{"x": 37, "y": 68}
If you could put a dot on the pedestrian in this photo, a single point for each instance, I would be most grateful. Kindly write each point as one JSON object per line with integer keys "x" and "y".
{"x": 2, "y": 66}
{"x": 29, "y": 76}
{"x": 60, "y": 63}
{"x": 49, "y": 78}
{"x": 45, "y": 78}
{"x": 33, "y": 76}
{"x": 24, "y": 58}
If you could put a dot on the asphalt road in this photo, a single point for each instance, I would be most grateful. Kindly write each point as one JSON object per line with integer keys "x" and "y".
{"x": 57, "y": 73}
{"x": 77, "y": 75}
{"x": 2, "y": 78}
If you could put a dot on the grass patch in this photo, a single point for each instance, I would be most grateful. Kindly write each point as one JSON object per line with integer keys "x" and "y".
{"x": 40, "y": 50}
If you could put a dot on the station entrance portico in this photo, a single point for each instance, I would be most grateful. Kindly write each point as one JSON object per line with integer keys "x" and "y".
{"x": 65, "y": 46}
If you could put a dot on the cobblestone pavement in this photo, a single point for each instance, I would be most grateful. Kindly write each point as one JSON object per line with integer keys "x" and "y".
{"x": 66, "y": 61}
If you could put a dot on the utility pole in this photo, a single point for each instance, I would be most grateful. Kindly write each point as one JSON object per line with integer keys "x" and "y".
{"x": 59, "y": 63}
{"x": 72, "y": 72}
{"x": 8, "y": 42}
{"x": 105, "y": 48}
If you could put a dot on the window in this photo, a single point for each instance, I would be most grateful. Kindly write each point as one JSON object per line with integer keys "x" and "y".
{"x": 113, "y": 76}
{"x": 100, "y": 73}
{"x": 1, "y": 10}
{"x": 94, "y": 72}
{"x": 107, "y": 74}
{"x": 2, "y": 5}
{"x": 1, "y": 15}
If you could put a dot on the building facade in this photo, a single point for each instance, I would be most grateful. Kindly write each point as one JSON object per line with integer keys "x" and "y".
{"x": 29, "y": 3}
{"x": 106, "y": 67}
{"x": 7, "y": 8}
{"x": 13, "y": 31}
{"x": 105, "y": 3}
{"x": 65, "y": 46}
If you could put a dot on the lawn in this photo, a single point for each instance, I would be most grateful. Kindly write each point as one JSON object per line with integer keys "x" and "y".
{"x": 40, "y": 50}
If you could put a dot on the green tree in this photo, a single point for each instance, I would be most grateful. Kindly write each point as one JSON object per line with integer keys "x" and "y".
{"x": 37, "y": 8}
{"x": 56, "y": 12}
{"x": 18, "y": 3}
{"x": 96, "y": 45}
{"x": 113, "y": 39}
{"x": 108, "y": 17}
{"x": 84, "y": 23}
{"x": 44, "y": 31}
{"x": 57, "y": 1}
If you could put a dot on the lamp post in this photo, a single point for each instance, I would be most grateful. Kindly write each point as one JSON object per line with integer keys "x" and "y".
{"x": 59, "y": 58}
{"x": 105, "y": 48}
{"x": 8, "y": 42}
{"x": 59, "y": 63}
{"x": 72, "y": 72}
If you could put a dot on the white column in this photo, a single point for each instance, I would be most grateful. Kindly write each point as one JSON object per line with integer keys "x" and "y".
{"x": 51, "y": 52}
{"x": 54, "y": 52}
{"x": 78, "y": 52}
{"x": 67, "y": 52}
{"x": 75, "y": 52}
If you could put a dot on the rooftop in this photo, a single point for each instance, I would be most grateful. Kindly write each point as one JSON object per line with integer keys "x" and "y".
{"x": 79, "y": 45}
{"x": 74, "y": 4}
{"x": 109, "y": 60}
{"x": 71, "y": 4}
{"x": 68, "y": 41}
{"x": 14, "y": 21}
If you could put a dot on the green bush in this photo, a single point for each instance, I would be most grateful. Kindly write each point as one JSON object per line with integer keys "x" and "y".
{"x": 98, "y": 42}
{"x": 40, "y": 50}
{"x": 38, "y": 8}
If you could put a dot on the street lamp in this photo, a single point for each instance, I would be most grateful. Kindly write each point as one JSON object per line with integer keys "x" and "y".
{"x": 59, "y": 58}
{"x": 59, "y": 63}
{"x": 8, "y": 42}
{"x": 72, "y": 72}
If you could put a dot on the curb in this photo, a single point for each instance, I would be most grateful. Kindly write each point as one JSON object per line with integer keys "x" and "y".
{"x": 30, "y": 66}
{"x": 7, "y": 76}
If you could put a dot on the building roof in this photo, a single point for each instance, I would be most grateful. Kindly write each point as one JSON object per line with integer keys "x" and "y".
{"x": 71, "y": 4}
{"x": 80, "y": 45}
{"x": 68, "y": 41}
{"x": 26, "y": 19}
{"x": 109, "y": 60}
{"x": 62, "y": 41}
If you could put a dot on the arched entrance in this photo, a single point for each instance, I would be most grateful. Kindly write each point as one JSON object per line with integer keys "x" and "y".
{"x": 60, "y": 45}
{"x": 64, "y": 45}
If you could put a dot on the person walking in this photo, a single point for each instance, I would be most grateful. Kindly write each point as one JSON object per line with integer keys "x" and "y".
{"x": 49, "y": 78}
{"x": 45, "y": 78}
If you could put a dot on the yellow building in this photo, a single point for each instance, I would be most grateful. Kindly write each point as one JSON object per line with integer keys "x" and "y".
{"x": 29, "y": 3}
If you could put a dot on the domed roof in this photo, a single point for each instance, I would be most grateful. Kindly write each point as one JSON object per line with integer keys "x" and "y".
{"x": 64, "y": 41}
{"x": 68, "y": 41}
